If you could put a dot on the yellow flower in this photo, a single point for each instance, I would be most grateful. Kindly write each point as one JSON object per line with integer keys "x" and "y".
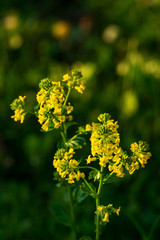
{"x": 19, "y": 115}
{"x": 66, "y": 166}
{"x": 73, "y": 163}
{"x": 100, "y": 208}
{"x": 88, "y": 127}
{"x": 56, "y": 123}
{"x": 45, "y": 126}
{"x": 118, "y": 210}
{"x": 103, "y": 160}
{"x": 62, "y": 118}
{"x": 80, "y": 175}
{"x": 21, "y": 98}
{"x": 70, "y": 118}
{"x": 69, "y": 108}
{"x": 91, "y": 159}
{"x": 140, "y": 156}
{"x": 66, "y": 77}
{"x": 134, "y": 147}
{"x": 106, "y": 217}
{"x": 18, "y": 106}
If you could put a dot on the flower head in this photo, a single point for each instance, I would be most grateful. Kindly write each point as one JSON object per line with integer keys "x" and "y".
{"x": 106, "y": 211}
{"x": 75, "y": 81}
{"x": 140, "y": 156}
{"x": 18, "y": 107}
{"x": 67, "y": 166}
{"x": 53, "y": 110}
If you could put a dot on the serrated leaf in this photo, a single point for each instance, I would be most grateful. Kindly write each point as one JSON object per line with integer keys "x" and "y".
{"x": 61, "y": 214}
{"x": 94, "y": 174}
{"x": 79, "y": 195}
{"x": 76, "y": 143}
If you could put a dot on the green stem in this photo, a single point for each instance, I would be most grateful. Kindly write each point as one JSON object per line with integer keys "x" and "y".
{"x": 100, "y": 182}
{"x": 97, "y": 219}
{"x": 64, "y": 137}
{"x": 88, "y": 185}
{"x": 29, "y": 112}
{"x": 72, "y": 213}
{"x": 98, "y": 202}
{"x": 105, "y": 179}
{"x": 64, "y": 104}
{"x": 75, "y": 136}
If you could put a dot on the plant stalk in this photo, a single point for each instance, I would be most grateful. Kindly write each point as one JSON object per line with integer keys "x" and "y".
{"x": 72, "y": 213}
{"x": 97, "y": 219}
{"x": 98, "y": 203}
{"x": 64, "y": 137}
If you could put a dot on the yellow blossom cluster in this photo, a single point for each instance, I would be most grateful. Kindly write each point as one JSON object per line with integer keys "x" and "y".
{"x": 105, "y": 147}
{"x": 53, "y": 110}
{"x": 106, "y": 211}
{"x": 105, "y": 144}
{"x": 75, "y": 81}
{"x": 139, "y": 157}
{"x": 66, "y": 166}
{"x": 18, "y": 107}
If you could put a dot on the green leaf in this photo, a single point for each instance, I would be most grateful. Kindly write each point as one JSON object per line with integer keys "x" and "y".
{"x": 79, "y": 195}
{"x": 111, "y": 179}
{"x": 87, "y": 190}
{"x": 94, "y": 174}
{"x": 153, "y": 227}
{"x": 76, "y": 143}
{"x": 69, "y": 124}
{"x": 61, "y": 214}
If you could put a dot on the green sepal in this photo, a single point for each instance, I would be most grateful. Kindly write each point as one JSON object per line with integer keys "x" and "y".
{"x": 61, "y": 214}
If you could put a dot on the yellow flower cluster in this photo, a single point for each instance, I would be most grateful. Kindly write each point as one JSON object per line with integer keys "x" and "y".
{"x": 75, "y": 81}
{"x": 18, "y": 107}
{"x": 139, "y": 158}
{"x": 53, "y": 110}
{"x": 66, "y": 166}
{"x": 105, "y": 147}
{"x": 52, "y": 99}
{"x": 106, "y": 211}
{"x": 105, "y": 144}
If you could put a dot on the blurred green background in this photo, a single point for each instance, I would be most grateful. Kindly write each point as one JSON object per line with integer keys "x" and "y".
{"x": 116, "y": 45}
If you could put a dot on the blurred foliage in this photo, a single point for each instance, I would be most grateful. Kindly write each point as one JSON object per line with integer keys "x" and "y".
{"x": 116, "y": 45}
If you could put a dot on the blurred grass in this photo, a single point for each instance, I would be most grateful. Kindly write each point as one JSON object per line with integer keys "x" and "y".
{"x": 116, "y": 46}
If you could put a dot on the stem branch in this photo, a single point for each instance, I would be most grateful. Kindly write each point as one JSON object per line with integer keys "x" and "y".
{"x": 72, "y": 212}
